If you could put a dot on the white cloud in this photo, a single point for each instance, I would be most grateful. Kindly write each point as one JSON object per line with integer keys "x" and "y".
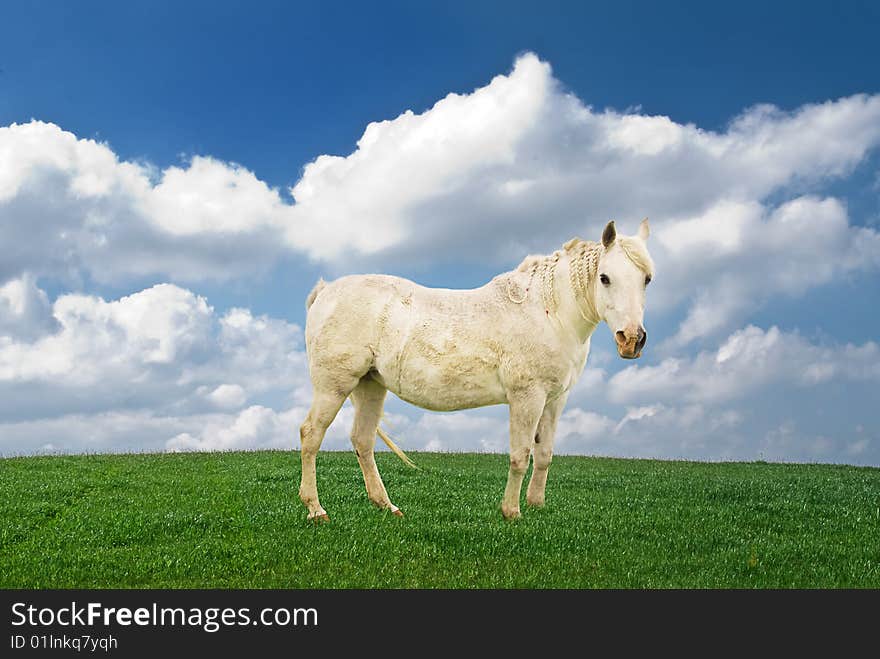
{"x": 555, "y": 163}
{"x": 690, "y": 431}
{"x": 155, "y": 370}
{"x": 163, "y": 348}
{"x": 210, "y": 197}
{"x": 259, "y": 427}
{"x": 637, "y": 414}
{"x": 25, "y": 311}
{"x": 747, "y": 361}
{"x": 227, "y": 396}
{"x": 579, "y": 431}
{"x": 70, "y": 207}
{"x": 260, "y": 352}
{"x": 789, "y": 443}
{"x": 98, "y": 340}
{"x": 734, "y": 257}
{"x": 255, "y": 427}
{"x": 369, "y": 201}
{"x": 460, "y": 431}
{"x": 124, "y": 431}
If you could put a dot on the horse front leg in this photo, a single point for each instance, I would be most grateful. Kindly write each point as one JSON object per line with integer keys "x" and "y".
{"x": 543, "y": 450}
{"x": 525, "y": 412}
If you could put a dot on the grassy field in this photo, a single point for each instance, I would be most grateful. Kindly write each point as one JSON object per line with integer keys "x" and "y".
{"x": 234, "y": 520}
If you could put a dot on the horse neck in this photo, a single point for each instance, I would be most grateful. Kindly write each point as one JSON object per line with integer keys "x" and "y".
{"x": 577, "y": 307}
{"x": 564, "y": 285}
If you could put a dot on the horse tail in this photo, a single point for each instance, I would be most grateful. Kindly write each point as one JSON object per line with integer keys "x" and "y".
{"x": 394, "y": 447}
{"x": 317, "y": 289}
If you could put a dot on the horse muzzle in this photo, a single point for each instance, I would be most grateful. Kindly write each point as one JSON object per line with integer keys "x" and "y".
{"x": 630, "y": 344}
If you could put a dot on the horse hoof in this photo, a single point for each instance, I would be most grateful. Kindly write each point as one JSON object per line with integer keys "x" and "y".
{"x": 398, "y": 512}
{"x": 511, "y": 515}
{"x": 320, "y": 518}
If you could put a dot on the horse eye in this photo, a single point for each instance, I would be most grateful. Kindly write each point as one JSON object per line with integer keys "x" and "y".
{"x": 647, "y": 280}
{"x": 604, "y": 279}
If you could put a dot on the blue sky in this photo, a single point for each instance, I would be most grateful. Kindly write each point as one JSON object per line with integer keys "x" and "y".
{"x": 234, "y": 100}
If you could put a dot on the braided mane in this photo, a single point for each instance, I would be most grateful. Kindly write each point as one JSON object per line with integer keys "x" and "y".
{"x": 544, "y": 267}
{"x": 583, "y": 257}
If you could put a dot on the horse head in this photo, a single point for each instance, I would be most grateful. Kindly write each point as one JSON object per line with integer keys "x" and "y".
{"x": 624, "y": 271}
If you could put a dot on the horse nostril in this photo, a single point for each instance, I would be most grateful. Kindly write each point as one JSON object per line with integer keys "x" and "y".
{"x": 620, "y": 337}
{"x": 643, "y": 338}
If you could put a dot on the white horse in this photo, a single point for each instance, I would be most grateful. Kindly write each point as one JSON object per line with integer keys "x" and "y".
{"x": 522, "y": 339}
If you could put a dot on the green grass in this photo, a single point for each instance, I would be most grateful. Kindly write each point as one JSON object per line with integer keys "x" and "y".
{"x": 234, "y": 520}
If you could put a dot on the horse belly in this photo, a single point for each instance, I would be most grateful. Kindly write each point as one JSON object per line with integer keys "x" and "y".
{"x": 451, "y": 386}
{"x": 446, "y": 380}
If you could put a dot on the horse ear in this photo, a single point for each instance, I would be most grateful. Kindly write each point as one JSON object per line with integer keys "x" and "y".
{"x": 609, "y": 234}
{"x": 644, "y": 229}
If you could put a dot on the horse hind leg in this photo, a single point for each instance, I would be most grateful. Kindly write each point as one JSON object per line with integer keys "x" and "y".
{"x": 368, "y": 399}
{"x": 335, "y": 371}
{"x": 325, "y": 406}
